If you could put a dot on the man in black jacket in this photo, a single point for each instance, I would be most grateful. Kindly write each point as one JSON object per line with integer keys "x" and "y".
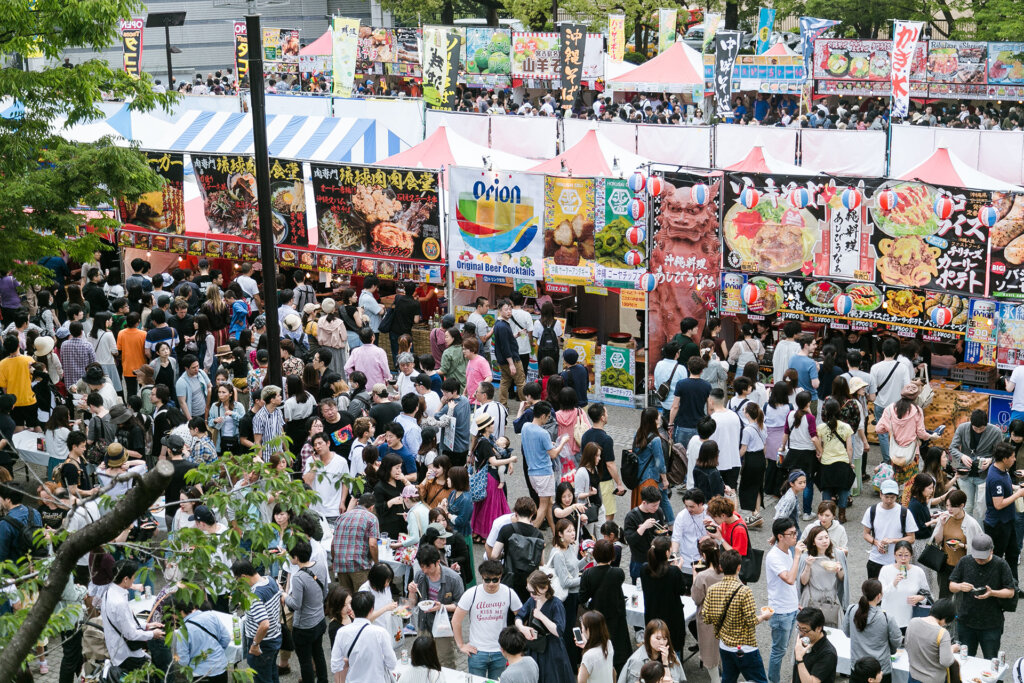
{"x": 506, "y": 351}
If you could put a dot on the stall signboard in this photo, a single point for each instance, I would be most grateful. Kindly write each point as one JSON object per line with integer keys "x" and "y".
{"x": 535, "y": 56}
{"x": 440, "y": 66}
{"x": 488, "y": 56}
{"x": 376, "y": 44}
{"x": 727, "y": 48}
{"x": 316, "y": 73}
{"x": 241, "y": 50}
{"x": 572, "y": 43}
{"x": 345, "y": 35}
{"x": 281, "y": 57}
{"x": 864, "y": 67}
{"x": 956, "y": 62}
{"x": 495, "y": 227}
{"x": 1006, "y": 70}
{"x": 764, "y": 73}
{"x": 612, "y": 223}
{"x": 685, "y": 254}
{"x": 633, "y": 299}
{"x": 846, "y": 250}
{"x": 163, "y": 210}
{"x": 1010, "y": 336}
{"x": 131, "y": 45}
{"x": 731, "y": 300}
{"x": 587, "y": 349}
{"x": 377, "y": 211}
{"x": 569, "y": 229}
{"x": 1007, "y": 246}
{"x": 617, "y": 375}
{"x": 905, "y": 38}
{"x": 407, "y": 45}
{"x": 980, "y": 346}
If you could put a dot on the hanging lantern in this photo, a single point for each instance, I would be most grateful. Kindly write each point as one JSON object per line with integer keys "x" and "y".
{"x": 633, "y": 258}
{"x": 648, "y": 282}
{"x": 987, "y": 215}
{"x": 636, "y": 235}
{"x": 750, "y": 294}
{"x": 943, "y": 207}
{"x": 637, "y": 182}
{"x": 749, "y": 197}
{"x": 941, "y": 316}
{"x": 800, "y": 198}
{"x": 843, "y": 304}
{"x": 637, "y": 209}
{"x": 887, "y": 200}
{"x": 700, "y": 194}
{"x": 851, "y": 198}
{"x": 654, "y": 185}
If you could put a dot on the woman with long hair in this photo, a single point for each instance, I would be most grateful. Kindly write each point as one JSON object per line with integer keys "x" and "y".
{"x": 206, "y": 342}
{"x": 587, "y": 487}
{"x": 426, "y": 667}
{"x": 775, "y": 413}
{"x": 706, "y": 476}
{"x": 434, "y": 488}
{"x": 822, "y": 572}
{"x": 848, "y": 395}
{"x": 338, "y": 610}
{"x": 935, "y": 462}
{"x": 647, "y": 446}
{"x": 332, "y": 334}
{"x": 543, "y": 616}
{"x": 713, "y": 332}
{"x": 388, "y": 493}
{"x": 904, "y": 422}
{"x": 105, "y": 347}
{"x": 311, "y": 381}
{"x": 803, "y": 445}
{"x": 47, "y": 317}
{"x": 759, "y": 393}
{"x": 836, "y": 474}
{"x": 752, "y": 445}
{"x": 73, "y": 297}
{"x": 703, "y": 579}
{"x": 225, "y": 414}
{"x": 922, "y": 490}
{"x": 599, "y": 587}
{"x": 748, "y": 349}
{"x": 828, "y": 370}
{"x": 596, "y": 662}
{"x": 548, "y": 322}
{"x": 564, "y": 560}
{"x": 567, "y": 416}
{"x": 453, "y": 362}
{"x": 352, "y": 315}
{"x": 715, "y": 371}
{"x": 428, "y": 446}
{"x": 218, "y": 313}
{"x": 165, "y": 367}
{"x": 658, "y": 649}
{"x": 485, "y": 458}
{"x": 460, "y": 509}
{"x": 663, "y": 589}
{"x": 297, "y": 410}
{"x": 871, "y": 631}
{"x": 548, "y": 367}
{"x": 379, "y": 582}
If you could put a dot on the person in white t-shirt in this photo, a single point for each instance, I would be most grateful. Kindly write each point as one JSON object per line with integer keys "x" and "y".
{"x": 705, "y": 428}
{"x": 483, "y": 330}
{"x": 782, "y": 568}
{"x": 728, "y": 430}
{"x": 1016, "y": 385}
{"x": 487, "y": 606}
{"x": 785, "y": 349}
{"x": 323, "y": 474}
{"x": 885, "y": 524}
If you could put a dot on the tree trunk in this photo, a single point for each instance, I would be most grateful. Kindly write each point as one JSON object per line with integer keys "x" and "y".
{"x": 492, "y": 15}
{"x": 732, "y": 15}
{"x": 637, "y": 33}
{"x": 554, "y": 14}
{"x": 131, "y": 506}
{"x": 447, "y": 13}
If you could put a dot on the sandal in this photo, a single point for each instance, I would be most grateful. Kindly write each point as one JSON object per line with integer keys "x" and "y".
{"x": 754, "y": 520}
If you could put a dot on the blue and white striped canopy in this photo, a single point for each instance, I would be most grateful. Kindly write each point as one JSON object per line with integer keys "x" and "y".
{"x": 306, "y": 138}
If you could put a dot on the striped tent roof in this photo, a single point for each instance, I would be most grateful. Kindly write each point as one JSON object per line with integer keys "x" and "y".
{"x": 306, "y": 138}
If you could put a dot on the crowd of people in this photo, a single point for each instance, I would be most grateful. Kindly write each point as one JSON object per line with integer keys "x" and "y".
{"x": 414, "y": 533}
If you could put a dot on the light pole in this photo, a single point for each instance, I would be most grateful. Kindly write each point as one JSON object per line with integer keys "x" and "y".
{"x": 167, "y": 20}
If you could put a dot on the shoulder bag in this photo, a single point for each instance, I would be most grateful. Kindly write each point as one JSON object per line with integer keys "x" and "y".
{"x": 665, "y": 388}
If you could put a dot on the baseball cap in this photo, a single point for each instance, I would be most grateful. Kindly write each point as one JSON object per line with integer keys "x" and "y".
{"x": 174, "y": 443}
{"x": 889, "y": 486}
{"x": 380, "y": 389}
{"x": 440, "y": 529}
{"x": 204, "y": 514}
{"x": 981, "y": 547}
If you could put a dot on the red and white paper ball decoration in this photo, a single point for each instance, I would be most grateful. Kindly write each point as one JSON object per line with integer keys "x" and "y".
{"x": 648, "y": 282}
{"x": 749, "y": 197}
{"x": 943, "y": 207}
{"x": 843, "y": 304}
{"x": 654, "y": 185}
{"x": 700, "y": 194}
{"x": 637, "y": 182}
{"x": 750, "y": 294}
{"x": 887, "y": 200}
{"x": 637, "y": 208}
{"x": 988, "y": 215}
{"x": 851, "y": 198}
{"x": 633, "y": 258}
{"x": 800, "y": 198}
{"x": 636, "y": 235}
{"x": 941, "y": 316}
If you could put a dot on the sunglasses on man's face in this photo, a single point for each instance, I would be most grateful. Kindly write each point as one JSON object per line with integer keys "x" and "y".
{"x": 492, "y": 579}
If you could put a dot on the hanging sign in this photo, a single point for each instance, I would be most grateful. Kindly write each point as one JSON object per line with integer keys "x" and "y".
{"x": 131, "y": 46}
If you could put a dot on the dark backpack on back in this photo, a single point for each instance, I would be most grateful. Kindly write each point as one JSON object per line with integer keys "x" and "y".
{"x": 630, "y": 470}
{"x": 523, "y": 554}
{"x": 25, "y": 542}
{"x": 903, "y": 519}
{"x": 547, "y": 345}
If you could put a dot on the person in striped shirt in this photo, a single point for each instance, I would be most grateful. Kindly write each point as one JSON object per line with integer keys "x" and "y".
{"x": 269, "y": 421}
{"x": 261, "y": 624}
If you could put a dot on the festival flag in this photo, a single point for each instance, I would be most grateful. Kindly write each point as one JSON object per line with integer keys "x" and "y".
{"x": 241, "y": 52}
{"x": 727, "y": 47}
{"x": 711, "y": 22}
{"x": 666, "y": 29}
{"x": 616, "y": 37}
{"x": 345, "y": 36}
{"x": 905, "y": 35}
{"x": 131, "y": 45}
{"x": 810, "y": 30}
{"x": 570, "y": 60}
{"x": 440, "y": 60}
{"x": 765, "y": 25}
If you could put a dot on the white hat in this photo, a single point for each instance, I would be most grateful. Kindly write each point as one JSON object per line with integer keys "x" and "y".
{"x": 293, "y": 322}
{"x": 328, "y": 305}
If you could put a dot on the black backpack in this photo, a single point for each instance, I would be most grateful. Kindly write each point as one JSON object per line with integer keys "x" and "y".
{"x": 548, "y": 343}
{"x": 903, "y": 519}
{"x": 523, "y": 554}
{"x": 25, "y": 543}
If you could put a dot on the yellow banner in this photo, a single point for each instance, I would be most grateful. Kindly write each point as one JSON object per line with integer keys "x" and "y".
{"x": 633, "y": 298}
{"x": 616, "y": 37}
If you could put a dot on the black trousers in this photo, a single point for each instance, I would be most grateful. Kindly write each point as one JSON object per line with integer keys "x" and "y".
{"x": 71, "y": 655}
{"x": 874, "y": 569}
{"x": 309, "y": 649}
{"x": 1005, "y": 543}
{"x": 731, "y": 477}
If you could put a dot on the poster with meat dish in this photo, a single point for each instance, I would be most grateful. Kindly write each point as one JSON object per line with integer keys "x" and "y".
{"x": 952, "y": 61}
{"x": 1006, "y": 63}
{"x": 376, "y": 45}
{"x": 685, "y": 255}
{"x": 932, "y": 238}
{"x": 373, "y": 210}
{"x": 407, "y": 45}
{"x": 863, "y": 67}
{"x": 569, "y": 230}
{"x": 1007, "y": 247}
{"x": 163, "y": 210}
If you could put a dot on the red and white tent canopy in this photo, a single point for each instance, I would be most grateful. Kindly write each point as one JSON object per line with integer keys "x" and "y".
{"x": 759, "y": 161}
{"x": 779, "y": 50}
{"x": 593, "y": 155}
{"x": 324, "y": 45}
{"x": 678, "y": 69}
{"x": 447, "y": 148}
{"x": 945, "y": 168}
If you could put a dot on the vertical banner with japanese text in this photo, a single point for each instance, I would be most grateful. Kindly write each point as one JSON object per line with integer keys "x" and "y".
{"x": 727, "y": 47}
{"x": 905, "y": 35}
{"x": 666, "y": 29}
{"x": 570, "y": 63}
{"x": 345, "y": 36}
{"x": 131, "y": 46}
{"x": 616, "y": 37}
{"x": 765, "y": 25}
{"x": 241, "y": 51}
{"x": 711, "y": 23}
{"x": 440, "y": 66}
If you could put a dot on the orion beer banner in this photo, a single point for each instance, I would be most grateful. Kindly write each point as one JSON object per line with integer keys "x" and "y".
{"x": 727, "y": 47}
{"x": 904, "y": 41}
{"x": 131, "y": 45}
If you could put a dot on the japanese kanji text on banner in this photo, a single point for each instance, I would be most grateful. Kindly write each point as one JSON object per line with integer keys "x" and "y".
{"x": 345, "y": 35}
{"x": 131, "y": 45}
{"x": 904, "y": 42}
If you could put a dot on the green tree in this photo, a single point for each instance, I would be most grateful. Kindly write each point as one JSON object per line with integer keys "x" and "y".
{"x": 997, "y": 20}
{"x": 40, "y": 169}
{"x": 869, "y": 19}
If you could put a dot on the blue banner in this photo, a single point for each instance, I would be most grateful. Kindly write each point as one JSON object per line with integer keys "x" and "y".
{"x": 765, "y": 25}
{"x": 811, "y": 29}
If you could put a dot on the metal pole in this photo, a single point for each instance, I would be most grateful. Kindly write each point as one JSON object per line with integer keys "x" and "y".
{"x": 167, "y": 46}
{"x": 259, "y": 142}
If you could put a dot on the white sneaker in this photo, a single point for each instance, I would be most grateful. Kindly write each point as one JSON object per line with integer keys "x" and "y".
{"x": 807, "y": 517}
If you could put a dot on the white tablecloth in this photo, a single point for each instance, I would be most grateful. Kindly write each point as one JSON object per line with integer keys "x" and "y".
{"x": 144, "y": 605}
{"x": 635, "y": 613}
{"x": 447, "y": 675}
{"x": 970, "y": 667}
{"x": 27, "y": 443}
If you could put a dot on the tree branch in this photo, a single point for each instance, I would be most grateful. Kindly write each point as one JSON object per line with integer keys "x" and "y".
{"x": 129, "y": 508}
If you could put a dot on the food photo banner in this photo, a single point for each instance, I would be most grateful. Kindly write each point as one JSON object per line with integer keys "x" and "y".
{"x": 569, "y": 207}
{"x": 163, "y": 210}
{"x": 374, "y": 210}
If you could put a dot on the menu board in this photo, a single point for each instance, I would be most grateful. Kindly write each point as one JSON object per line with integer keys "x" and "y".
{"x": 376, "y": 45}
{"x": 951, "y": 61}
{"x": 227, "y": 183}
{"x": 281, "y": 58}
{"x": 1007, "y": 246}
{"x": 488, "y": 55}
{"x": 388, "y": 212}
{"x": 569, "y": 229}
{"x": 1010, "y": 336}
{"x": 863, "y": 67}
{"x": 163, "y": 210}
{"x": 1006, "y": 63}
{"x": 535, "y": 55}
{"x": 611, "y": 239}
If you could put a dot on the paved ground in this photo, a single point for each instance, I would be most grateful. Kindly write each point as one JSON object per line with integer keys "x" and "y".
{"x": 622, "y": 425}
